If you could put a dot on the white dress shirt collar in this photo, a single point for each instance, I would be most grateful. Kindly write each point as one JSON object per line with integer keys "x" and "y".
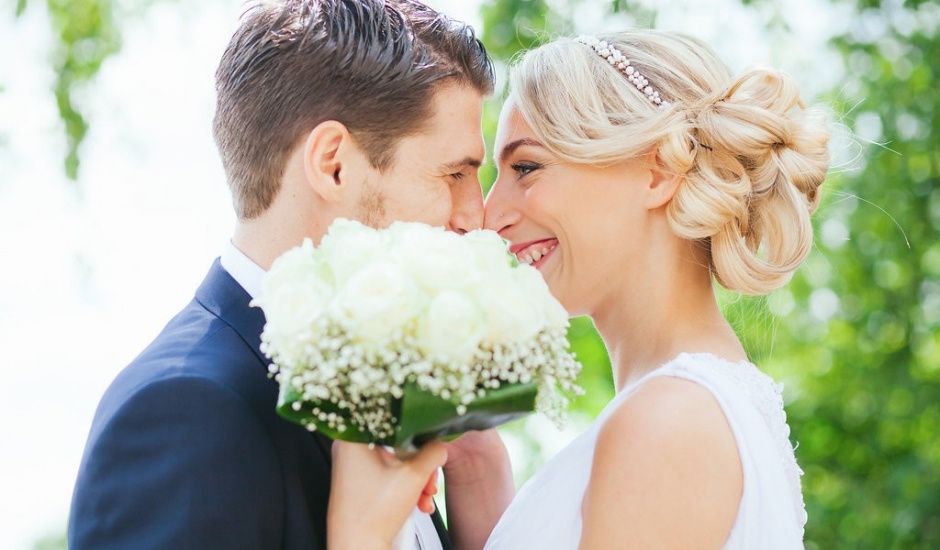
{"x": 246, "y": 273}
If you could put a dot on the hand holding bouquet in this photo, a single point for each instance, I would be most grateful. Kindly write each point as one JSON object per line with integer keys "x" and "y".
{"x": 411, "y": 333}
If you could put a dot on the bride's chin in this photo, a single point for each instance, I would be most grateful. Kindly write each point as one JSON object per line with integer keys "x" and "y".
{"x": 547, "y": 269}
{"x": 548, "y": 272}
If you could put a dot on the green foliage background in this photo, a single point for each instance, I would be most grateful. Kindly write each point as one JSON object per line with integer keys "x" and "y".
{"x": 855, "y": 336}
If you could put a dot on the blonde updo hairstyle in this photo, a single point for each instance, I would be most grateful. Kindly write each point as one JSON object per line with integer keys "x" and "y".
{"x": 751, "y": 156}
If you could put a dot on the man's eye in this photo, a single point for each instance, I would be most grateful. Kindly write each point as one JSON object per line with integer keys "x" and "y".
{"x": 458, "y": 176}
{"x": 525, "y": 168}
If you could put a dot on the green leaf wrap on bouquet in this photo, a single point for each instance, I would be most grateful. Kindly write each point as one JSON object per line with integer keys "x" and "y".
{"x": 421, "y": 415}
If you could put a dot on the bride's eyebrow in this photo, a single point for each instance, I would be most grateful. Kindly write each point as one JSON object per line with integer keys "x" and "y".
{"x": 513, "y": 145}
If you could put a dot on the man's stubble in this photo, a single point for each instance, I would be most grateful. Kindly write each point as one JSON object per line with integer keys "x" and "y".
{"x": 372, "y": 206}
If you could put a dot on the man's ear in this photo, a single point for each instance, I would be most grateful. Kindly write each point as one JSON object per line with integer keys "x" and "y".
{"x": 662, "y": 185}
{"x": 324, "y": 153}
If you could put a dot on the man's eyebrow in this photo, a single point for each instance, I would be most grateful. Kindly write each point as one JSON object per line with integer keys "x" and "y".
{"x": 512, "y": 146}
{"x": 457, "y": 166}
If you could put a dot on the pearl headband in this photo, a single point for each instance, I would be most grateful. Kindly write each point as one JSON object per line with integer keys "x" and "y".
{"x": 617, "y": 60}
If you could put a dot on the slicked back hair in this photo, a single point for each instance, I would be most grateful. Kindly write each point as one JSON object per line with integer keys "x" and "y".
{"x": 372, "y": 65}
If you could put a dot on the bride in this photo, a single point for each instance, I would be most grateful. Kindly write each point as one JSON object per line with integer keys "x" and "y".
{"x": 634, "y": 171}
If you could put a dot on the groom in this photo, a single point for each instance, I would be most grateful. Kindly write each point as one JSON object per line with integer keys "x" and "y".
{"x": 365, "y": 109}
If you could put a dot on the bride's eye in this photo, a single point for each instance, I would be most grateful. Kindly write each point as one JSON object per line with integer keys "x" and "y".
{"x": 525, "y": 168}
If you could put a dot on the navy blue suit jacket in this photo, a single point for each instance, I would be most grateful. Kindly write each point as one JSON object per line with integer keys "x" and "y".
{"x": 186, "y": 450}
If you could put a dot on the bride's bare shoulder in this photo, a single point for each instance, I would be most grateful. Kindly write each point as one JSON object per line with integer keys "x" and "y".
{"x": 668, "y": 410}
{"x": 666, "y": 461}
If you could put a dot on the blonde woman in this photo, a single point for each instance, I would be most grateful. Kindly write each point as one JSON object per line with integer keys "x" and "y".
{"x": 635, "y": 170}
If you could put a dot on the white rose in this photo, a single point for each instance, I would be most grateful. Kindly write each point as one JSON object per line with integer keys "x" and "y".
{"x": 294, "y": 294}
{"x": 376, "y": 301}
{"x": 451, "y": 328}
{"x": 511, "y": 315}
{"x": 305, "y": 259}
{"x": 341, "y": 227}
{"x": 437, "y": 259}
{"x": 403, "y": 231}
{"x": 531, "y": 282}
{"x": 349, "y": 246}
{"x": 489, "y": 250}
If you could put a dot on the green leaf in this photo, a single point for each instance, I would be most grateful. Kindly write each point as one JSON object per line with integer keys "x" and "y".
{"x": 422, "y": 416}
{"x": 425, "y": 417}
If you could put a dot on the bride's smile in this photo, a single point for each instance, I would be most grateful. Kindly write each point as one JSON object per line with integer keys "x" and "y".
{"x": 535, "y": 253}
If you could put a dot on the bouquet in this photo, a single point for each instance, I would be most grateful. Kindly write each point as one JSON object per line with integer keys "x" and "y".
{"x": 411, "y": 333}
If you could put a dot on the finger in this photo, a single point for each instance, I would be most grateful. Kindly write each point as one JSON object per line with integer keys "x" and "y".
{"x": 430, "y": 488}
{"x": 429, "y": 458}
{"x": 387, "y": 455}
{"x": 426, "y": 504}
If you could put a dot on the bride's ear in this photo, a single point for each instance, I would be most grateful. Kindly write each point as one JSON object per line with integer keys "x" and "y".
{"x": 326, "y": 153}
{"x": 662, "y": 185}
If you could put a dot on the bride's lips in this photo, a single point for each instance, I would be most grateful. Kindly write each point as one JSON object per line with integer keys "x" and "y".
{"x": 535, "y": 253}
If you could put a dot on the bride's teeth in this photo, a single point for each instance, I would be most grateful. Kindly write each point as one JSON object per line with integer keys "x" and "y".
{"x": 532, "y": 256}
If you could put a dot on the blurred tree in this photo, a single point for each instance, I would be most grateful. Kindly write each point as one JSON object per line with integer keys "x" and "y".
{"x": 52, "y": 542}
{"x": 861, "y": 340}
{"x": 518, "y": 25}
{"x": 86, "y": 34}
{"x": 3, "y": 137}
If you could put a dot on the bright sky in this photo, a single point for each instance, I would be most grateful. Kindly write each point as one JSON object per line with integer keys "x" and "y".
{"x": 94, "y": 269}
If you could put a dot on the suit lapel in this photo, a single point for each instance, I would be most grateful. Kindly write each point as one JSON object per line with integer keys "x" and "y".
{"x": 226, "y": 299}
{"x": 222, "y": 296}
{"x": 441, "y": 530}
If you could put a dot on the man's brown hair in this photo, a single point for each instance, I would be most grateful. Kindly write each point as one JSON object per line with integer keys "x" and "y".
{"x": 370, "y": 64}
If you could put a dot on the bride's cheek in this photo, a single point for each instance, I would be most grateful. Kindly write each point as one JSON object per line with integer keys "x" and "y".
{"x": 554, "y": 207}
{"x": 539, "y": 197}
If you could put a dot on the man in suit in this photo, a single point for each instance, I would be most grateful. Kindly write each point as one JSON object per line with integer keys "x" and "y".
{"x": 364, "y": 109}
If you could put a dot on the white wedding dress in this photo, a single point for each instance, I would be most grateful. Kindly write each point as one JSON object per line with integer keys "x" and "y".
{"x": 546, "y": 512}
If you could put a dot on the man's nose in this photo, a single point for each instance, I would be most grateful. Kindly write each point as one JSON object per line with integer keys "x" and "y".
{"x": 467, "y": 209}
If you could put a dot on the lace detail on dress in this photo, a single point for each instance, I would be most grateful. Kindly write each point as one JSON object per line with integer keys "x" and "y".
{"x": 767, "y": 396}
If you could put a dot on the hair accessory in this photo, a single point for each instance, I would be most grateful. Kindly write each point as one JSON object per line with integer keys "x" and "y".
{"x": 617, "y": 60}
